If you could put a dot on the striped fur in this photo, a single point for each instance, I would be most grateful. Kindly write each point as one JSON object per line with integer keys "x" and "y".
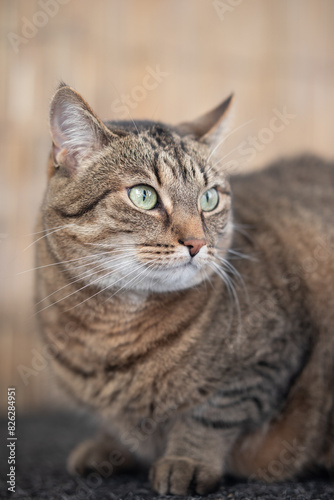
{"x": 200, "y": 366}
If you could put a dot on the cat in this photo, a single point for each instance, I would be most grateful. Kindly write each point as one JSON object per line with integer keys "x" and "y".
{"x": 191, "y": 312}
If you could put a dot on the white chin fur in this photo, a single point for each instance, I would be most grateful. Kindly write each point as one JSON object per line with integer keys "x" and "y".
{"x": 158, "y": 280}
{"x": 169, "y": 280}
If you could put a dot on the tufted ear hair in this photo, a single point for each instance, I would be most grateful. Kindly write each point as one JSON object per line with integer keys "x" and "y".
{"x": 209, "y": 127}
{"x": 77, "y": 133}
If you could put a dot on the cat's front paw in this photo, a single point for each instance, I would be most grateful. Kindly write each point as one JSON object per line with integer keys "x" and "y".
{"x": 181, "y": 475}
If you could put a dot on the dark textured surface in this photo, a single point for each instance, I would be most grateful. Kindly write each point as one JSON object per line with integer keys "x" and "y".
{"x": 44, "y": 442}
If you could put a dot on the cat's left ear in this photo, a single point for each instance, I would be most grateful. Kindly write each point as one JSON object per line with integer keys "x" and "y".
{"x": 210, "y": 127}
{"x": 77, "y": 133}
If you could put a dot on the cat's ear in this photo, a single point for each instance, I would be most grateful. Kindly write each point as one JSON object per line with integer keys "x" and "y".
{"x": 77, "y": 133}
{"x": 208, "y": 128}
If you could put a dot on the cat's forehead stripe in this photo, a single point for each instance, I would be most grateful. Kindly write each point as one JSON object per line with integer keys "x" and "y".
{"x": 171, "y": 153}
{"x": 156, "y": 168}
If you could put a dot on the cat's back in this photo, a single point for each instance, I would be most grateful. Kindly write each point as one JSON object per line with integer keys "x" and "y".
{"x": 292, "y": 198}
{"x": 305, "y": 182}
{"x": 287, "y": 210}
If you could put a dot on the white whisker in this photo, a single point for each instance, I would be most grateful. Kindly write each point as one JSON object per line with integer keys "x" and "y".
{"x": 85, "y": 274}
{"x": 136, "y": 277}
{"x": 225, "y": 156}
{"x": 48, "y": 229}
{"x": 150, "y": 269}
{"x": 227, "y": 136}
{"x": 105, "y": 262}
{"x": 228, "y": 267}
{"x": 48, "y": 234}
{"x": 230, "y": 288}
{"x": 111, "y": 285}
{"x": 61, "y": 262}
{"x": 241, "y": 255}
{"x": 76, "y": 291}
{"x": 108, "y": 245}
{"x": 240, "y": 228}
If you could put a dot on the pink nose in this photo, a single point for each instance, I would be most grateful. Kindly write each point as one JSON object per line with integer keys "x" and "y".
{"x": 194, "y": 245}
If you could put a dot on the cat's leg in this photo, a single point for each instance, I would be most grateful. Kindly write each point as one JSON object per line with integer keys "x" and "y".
{"x": 102, "y": 454}
{"x": 194, "y": 459}
{"x": 300, "y": 439}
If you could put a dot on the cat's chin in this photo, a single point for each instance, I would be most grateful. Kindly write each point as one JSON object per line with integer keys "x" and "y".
{"x": 173, "y": 279}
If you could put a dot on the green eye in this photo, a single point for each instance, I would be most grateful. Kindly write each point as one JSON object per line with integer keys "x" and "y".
{"x": 143, "y": 197}
{"x": 209, "y": 200}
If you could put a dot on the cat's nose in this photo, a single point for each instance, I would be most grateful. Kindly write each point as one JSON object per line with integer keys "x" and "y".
{"x": 194, "y": 245}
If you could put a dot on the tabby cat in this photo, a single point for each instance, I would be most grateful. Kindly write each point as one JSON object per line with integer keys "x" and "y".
{"x": 191, "y": 312}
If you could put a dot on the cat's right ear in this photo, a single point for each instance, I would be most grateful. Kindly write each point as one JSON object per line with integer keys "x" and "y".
{"x": 210, "y": 127}
{"x": 77, "y": 133}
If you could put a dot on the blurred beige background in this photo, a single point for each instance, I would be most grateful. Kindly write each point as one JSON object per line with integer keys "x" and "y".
{"x": 164, "y": 59}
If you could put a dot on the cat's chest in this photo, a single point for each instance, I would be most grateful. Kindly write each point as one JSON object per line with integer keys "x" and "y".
{"x": 137, "y": 329}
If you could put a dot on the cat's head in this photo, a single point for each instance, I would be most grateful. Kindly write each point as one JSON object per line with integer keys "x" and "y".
{"x": 136, "y": 205}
